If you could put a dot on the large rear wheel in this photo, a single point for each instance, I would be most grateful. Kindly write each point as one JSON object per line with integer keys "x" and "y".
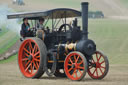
{"x": 31, "y": 57}
{"x": 75, "y": 65}
{"x": 98, "y": 66}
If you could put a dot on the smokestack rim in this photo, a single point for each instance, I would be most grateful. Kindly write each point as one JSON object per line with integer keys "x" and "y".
{"x": 84, "y": 3}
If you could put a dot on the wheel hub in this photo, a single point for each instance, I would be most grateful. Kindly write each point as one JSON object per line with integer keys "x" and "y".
{"x": 30, "y": 58}
{"x": 98, "y": 65}
{"x": 93, "y": 64}
{"x": 73, "y": 66}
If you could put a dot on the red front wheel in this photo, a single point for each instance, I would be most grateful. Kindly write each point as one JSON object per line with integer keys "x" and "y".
{"x": 98, "y": 66}
{"x": 75, "y": 65}
{"x": 30, "y": 57}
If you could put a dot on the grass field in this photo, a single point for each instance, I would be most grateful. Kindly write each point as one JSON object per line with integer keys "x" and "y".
{"x": 10, "y": 59}
{"x": 3, "y": 31}
{"x": 111, "y": 38}
{"x": 7, "y": 39}
{"x": 124, "y": 2}
{"x": 76, "y": 3}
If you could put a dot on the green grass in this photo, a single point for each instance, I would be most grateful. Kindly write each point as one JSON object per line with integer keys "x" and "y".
{"x": 71, "y": 3}
{"x": 111, "y": 38}
{"x": 10, "y": 59}
{"x": 3, "y": 31}
{"x": 7, "y": 40}
{"x": 7, "y": 45}
{"x": 125, "y": 2}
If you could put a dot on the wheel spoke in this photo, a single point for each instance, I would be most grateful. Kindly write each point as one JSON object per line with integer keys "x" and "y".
{"x": 26, "y": 50}
{"x": 96, "y": 72}
{"x": 80, "y": 67}
{"x": 69, "y": 64}
{"x": 80, "y": 63}
{"x": 31, "y": 68}
{"x": 26, "y": 54}
{"x": 30, "y": 45}
{"x": 102, "y": 67}
{"x": 73, "y": 73}
{"x": 93, "y": 60}
{"x": 24, "y": 59}
{"x": 101, "y": 70}
{"x": 35, "y": 65}
{"x": 36, "y": 48}
{"x": 90, "y": 67}
{"x": 76, "y": 74}
{"x": 37, "y": 57}
{"x": 99, "y": 58}
{"x": 70, "y": 69}
{"x": 37, "y": 60}
{"x": 80, "y": 71}
{"x": 36, "y": 53}
{"x": 77, "y": 58}
{"x": 71, "y": 61}
{"x": 102, "y": 62}
{"x": 28, "y": 67}
{"x": 33, "y": 49}
{"x": 96, "y": 57}
{"x": 27, "y": 64}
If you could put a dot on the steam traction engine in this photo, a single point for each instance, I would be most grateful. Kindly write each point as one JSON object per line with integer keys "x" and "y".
{"x": 62, "y": 52}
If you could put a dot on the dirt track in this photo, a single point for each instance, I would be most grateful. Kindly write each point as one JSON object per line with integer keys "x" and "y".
{"x": 10, "y": 75}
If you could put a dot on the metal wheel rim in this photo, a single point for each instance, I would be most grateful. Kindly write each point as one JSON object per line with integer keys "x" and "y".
{"x": 29, "y": 66}
{"x": 77, "y": 69}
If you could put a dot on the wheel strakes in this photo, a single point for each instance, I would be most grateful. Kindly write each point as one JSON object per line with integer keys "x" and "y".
{"x": 29, "y": 58}
{"x": 97, "y": 66}
{"x": 74, "y": 67}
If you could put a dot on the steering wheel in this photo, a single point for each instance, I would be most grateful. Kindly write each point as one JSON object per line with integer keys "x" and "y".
{"x": 63, "y": 27}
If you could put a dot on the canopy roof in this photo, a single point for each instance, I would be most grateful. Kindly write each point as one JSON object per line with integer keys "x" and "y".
{"x": 54, "y": 13}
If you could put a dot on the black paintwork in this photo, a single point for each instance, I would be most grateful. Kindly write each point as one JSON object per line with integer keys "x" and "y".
{"x": 55, "y": 41}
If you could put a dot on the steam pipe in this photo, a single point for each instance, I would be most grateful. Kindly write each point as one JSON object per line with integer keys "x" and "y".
{"x": 84, "y": 6}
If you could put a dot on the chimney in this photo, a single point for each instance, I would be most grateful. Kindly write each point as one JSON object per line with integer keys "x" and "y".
{"x": 84, "y": 6}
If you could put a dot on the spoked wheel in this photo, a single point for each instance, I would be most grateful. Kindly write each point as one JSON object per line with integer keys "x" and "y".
{"x": 75, "y": 65}
{"x": 31, "y": 57}
{"x": 98, "y": 66}
{"x": 60, "y": 73}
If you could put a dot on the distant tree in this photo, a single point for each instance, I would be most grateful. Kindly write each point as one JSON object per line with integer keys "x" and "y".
{"x": 96, "y": 14}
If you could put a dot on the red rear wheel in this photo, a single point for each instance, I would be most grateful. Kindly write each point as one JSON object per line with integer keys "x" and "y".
{"x": 30, "y": 57}
{"x": 75, "y": 65}
{"x": 98, "y": 66}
